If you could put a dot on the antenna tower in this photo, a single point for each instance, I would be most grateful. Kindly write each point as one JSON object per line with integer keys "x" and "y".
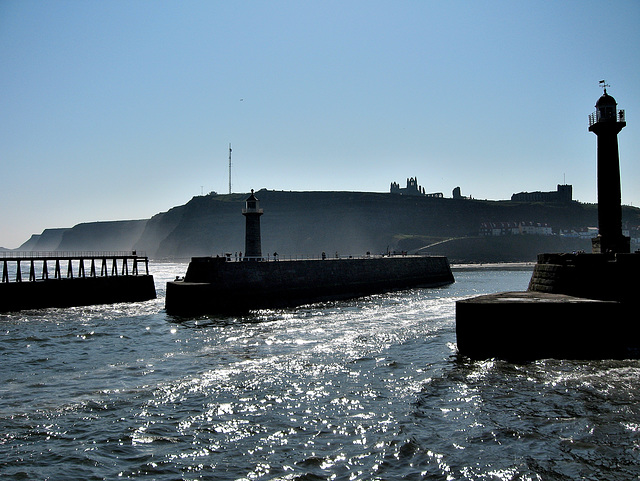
{"x": 229, "y": 167}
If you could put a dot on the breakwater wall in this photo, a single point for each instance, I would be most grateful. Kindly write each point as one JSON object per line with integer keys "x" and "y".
{"x": 611, "y": 277}
{"x": 32, "y": 280}
{"x": 217, "y": 285}
{"x": 577, "y": 306}
{"x": 524, "y": 326}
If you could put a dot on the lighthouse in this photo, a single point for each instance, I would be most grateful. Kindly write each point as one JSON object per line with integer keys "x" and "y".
{"x": 252, "y": 241}
{"x": 606, "y": 122}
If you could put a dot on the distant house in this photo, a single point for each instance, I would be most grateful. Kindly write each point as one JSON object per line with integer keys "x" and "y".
{"x": 535, "y": 228}
{"x": 631, "y": 231}
{"x": 514, "y": 228}
{"x": 498, "y": 228}
{"x": 412, "y": 188}
{"x": 564, "y": 193}
{"x": 583, "y": 233}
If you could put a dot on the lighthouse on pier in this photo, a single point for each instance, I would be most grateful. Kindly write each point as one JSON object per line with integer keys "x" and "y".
{"x": 252, "y": 241}
{"x": 606, "y": 122}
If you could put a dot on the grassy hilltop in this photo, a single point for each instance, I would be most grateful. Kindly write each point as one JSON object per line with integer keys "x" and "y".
{"x": 350, "y": 223}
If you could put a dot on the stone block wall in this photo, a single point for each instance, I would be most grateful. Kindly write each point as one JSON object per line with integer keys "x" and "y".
{"x": 593, "y": 276}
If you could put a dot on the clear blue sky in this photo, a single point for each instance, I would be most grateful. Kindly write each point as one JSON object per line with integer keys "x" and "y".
{"x": 123, "y": 109}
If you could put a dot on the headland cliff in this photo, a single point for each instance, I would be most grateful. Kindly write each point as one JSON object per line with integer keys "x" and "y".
{"x": 350, "y": 223}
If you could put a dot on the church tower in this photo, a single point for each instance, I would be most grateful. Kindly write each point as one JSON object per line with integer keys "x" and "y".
{"x": 252, "y": 241}
{"x": 606, "y": 122}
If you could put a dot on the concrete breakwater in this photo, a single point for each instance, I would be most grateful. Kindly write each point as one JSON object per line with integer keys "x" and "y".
{"x": 577, "y": 306}
{"x": 524, "y": 326}
{"x": 39, "y": 280}
{"x": 218, "y": 285}
{"x": 608, "y": 277}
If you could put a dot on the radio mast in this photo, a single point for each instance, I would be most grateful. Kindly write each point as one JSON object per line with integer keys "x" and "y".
{"x": 229, "y": 167}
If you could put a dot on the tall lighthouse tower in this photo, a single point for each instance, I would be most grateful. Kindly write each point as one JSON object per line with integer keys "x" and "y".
{"x": 606, "y": 122}
{"x": 252, "y": 241}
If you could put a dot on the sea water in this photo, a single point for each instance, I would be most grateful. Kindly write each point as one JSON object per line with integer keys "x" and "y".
{"x": 365, "y": 389}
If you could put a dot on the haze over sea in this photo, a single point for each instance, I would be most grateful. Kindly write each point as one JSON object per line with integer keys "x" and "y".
{"x": 366, "y": 389}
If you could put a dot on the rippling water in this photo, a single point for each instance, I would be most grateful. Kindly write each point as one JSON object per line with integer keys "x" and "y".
{"x": 366, "y": 389}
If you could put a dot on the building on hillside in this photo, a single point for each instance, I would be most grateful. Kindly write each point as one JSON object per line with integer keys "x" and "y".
{"x": 583, "y": 233}
{"x": 457, "y": 194}
{"x": 628, "y": 230}
{"x": 412, "y": 189}
{"x": 495, "y": 229}
{"x": 514, "y": 228}
{"x": 631, "y": 231}
{"x": 564, "y": 193}
{"x": 535, "y": 228}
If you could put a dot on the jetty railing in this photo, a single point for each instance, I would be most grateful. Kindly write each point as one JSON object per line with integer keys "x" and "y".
{"x": 39, "y": 264}
{"x": 276, "y": 257}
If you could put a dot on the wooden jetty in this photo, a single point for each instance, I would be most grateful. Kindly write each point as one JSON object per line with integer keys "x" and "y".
{"x": 32, "y": 280}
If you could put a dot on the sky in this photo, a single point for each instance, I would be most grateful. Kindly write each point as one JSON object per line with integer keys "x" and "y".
{"x": 124, "y": 109}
